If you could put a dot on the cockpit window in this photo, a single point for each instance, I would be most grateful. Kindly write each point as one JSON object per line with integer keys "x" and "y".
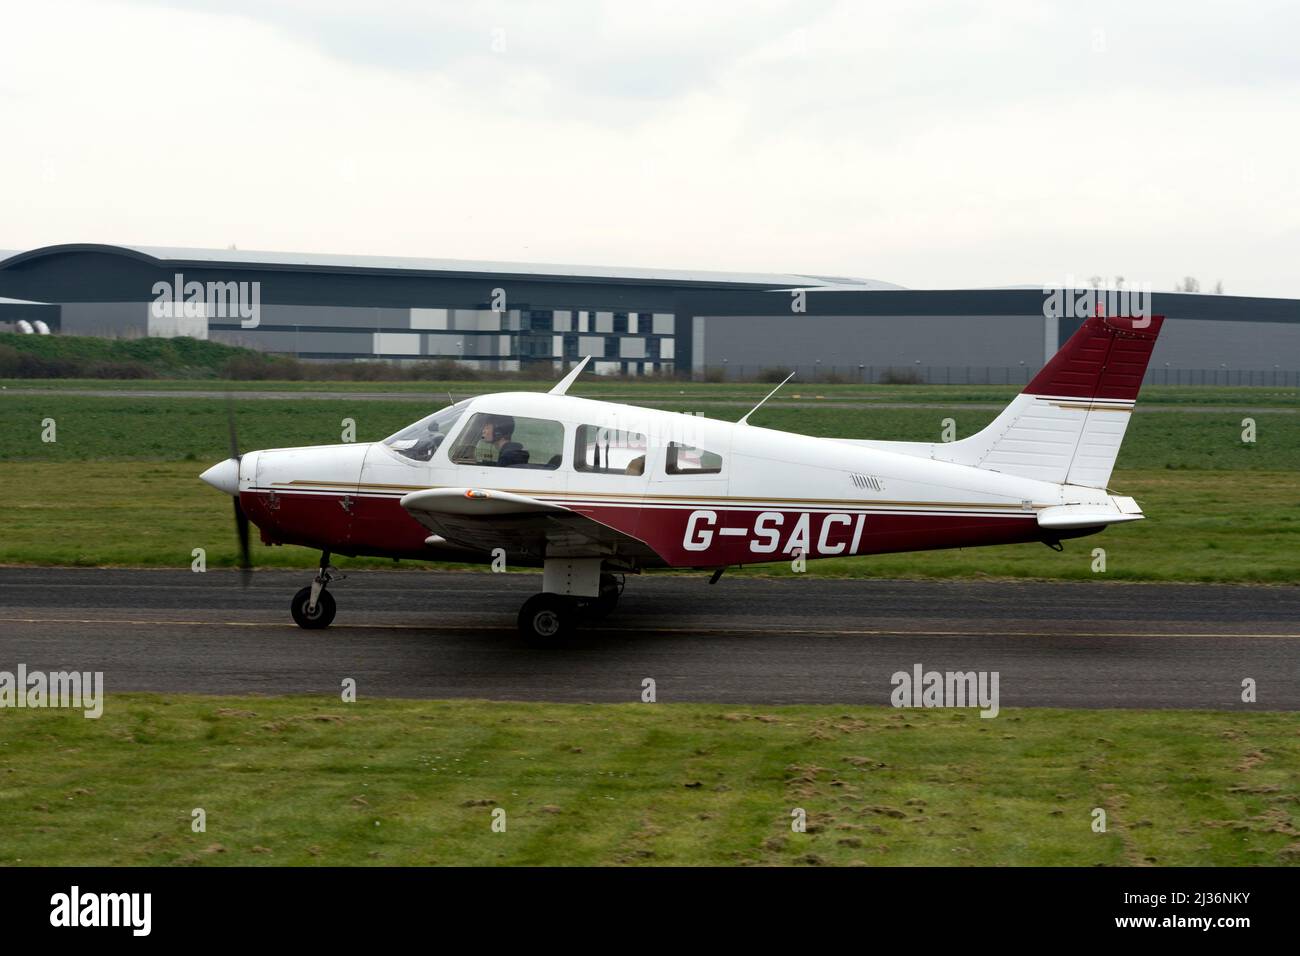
{"x": 419, "y": 441}
{"x": 508, "y": 441}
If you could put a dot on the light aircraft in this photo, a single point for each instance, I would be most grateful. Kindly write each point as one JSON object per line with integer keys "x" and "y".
{"x": 592, "y": 491}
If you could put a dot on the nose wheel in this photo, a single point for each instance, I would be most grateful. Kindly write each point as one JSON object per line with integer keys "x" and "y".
{"x": 313, "y": 607}
{"x": 312, "y": 618}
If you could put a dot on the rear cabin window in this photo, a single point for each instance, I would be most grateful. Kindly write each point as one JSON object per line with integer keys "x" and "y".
{"x": 609, "y": 451}
{"x": 508, "y": 441}
{"x": 689, "y": 460}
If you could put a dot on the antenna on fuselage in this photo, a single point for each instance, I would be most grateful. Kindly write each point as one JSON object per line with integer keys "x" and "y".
{"x": 562, "y": 386}
{"x": 745, "y": 420}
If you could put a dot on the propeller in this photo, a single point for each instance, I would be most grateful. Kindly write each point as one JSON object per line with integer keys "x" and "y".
{"x": 241, "y": 519}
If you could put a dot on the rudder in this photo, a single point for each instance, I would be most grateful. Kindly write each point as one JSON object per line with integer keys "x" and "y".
{"x": 1068, "y": 423}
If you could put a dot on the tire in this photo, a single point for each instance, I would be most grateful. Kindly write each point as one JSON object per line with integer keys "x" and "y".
{"x": 546, "y": 618}
{"x": 325, "y": 609}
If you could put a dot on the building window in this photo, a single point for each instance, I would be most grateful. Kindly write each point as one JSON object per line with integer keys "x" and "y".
{"x": 689, "y": 460}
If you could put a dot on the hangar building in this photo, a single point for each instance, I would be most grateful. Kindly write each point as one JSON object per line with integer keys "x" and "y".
{"x": 510, "y": 316}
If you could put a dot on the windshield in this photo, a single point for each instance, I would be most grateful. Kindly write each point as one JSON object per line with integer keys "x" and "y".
{"x": 421, "y": 440}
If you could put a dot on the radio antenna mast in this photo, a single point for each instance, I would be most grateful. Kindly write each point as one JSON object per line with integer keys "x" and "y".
{"x": 745, "y": 420}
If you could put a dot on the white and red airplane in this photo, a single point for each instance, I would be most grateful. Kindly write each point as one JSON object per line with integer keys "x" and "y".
{"x": 593, "y": 490}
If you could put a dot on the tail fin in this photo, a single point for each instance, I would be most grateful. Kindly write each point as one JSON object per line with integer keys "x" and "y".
{"x": 1067, "y": 425}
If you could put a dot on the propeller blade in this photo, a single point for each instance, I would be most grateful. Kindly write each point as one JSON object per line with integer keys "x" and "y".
{"x": 245, "y": 556}
{"x": 230, "y": 424}
{"x": 241, "y": 519}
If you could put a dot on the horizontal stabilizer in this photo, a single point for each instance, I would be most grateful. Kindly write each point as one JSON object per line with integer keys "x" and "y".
{"x": 1066, "y": 517}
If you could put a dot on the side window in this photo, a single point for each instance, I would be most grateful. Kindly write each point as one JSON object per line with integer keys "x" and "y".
{"x": 689, "y": 460}
{"x": 609, "y": 451}
{"x": 505, "y": 441}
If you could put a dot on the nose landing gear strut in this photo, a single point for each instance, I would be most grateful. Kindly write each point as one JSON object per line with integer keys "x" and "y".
{"x": 313, "y": 607}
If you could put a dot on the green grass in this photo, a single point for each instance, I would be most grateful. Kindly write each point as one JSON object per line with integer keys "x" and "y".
{"x": 112, "y": 428}
{"x": 182, "y": 356}
{"x": 654, "y": 390}
{"x": 312, "y": 781}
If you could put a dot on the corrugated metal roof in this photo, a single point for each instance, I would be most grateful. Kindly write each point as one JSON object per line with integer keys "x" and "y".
{"x": 313, "y": 260}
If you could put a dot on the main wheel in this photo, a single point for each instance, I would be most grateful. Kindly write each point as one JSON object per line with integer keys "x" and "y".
{"x": 323, "y": 615}
{"x": 546, "y": 617}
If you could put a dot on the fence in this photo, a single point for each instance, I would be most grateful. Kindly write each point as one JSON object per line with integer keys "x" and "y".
{"x": 980, "y": 375}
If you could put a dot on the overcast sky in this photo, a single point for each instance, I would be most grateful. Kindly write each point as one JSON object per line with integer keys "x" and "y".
{"x": 930, "y": 144}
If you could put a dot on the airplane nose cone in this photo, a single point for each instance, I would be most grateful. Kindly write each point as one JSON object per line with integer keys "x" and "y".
{"x": 223, "y": 476}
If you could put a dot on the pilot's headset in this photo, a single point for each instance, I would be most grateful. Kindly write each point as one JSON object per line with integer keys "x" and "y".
{"x": 503, "y": 426}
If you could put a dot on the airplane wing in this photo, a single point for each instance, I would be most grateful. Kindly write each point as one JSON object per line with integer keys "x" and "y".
{"x": 487, "y": 519}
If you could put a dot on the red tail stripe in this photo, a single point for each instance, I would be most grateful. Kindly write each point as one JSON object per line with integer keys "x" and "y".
{"x": 1106, "y": 358}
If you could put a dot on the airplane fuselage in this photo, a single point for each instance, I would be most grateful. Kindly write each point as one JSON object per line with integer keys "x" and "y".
{"x": 773, "y": 496}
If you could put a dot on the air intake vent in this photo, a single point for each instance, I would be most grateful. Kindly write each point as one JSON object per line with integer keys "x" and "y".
{"x": 867, "y": 482}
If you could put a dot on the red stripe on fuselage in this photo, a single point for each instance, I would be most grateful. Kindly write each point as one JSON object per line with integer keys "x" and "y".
{"x": 685, "y": 536}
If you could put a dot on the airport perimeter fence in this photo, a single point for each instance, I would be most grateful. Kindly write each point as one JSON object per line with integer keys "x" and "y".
{"x": 980, "y": 375}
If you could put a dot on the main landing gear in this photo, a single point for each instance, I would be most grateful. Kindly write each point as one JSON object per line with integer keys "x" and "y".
{"x": 554, "y": 613}
{"x": 575, "y": 591}
{"x": 313, "y": 607}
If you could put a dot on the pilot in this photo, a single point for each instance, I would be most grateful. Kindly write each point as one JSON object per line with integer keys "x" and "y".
{"x": 498, "y": 431}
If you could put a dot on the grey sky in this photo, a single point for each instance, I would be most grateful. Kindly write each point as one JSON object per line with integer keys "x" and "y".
{"x": 932, "y": 145}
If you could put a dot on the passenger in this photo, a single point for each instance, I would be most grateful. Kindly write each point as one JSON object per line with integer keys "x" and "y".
{"x": 498, "y": 432}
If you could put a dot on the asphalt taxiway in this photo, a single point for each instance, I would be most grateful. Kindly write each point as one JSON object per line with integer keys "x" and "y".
{"x": 743, "y": 640}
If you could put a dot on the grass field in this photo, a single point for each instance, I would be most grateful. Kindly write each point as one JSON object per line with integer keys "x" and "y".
{"x": 119, "y": 486}
{"x": 111, "y": 428}
{"x": 313, "y": 781}
{"x": 669, "y": 390}
{"x": 309, "y": 781}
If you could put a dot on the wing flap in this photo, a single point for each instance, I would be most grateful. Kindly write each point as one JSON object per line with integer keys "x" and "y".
{"x": 485, "y": 519}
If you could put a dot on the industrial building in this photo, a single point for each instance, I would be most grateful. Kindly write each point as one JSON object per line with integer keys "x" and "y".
{"x": 510, "y": 316}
